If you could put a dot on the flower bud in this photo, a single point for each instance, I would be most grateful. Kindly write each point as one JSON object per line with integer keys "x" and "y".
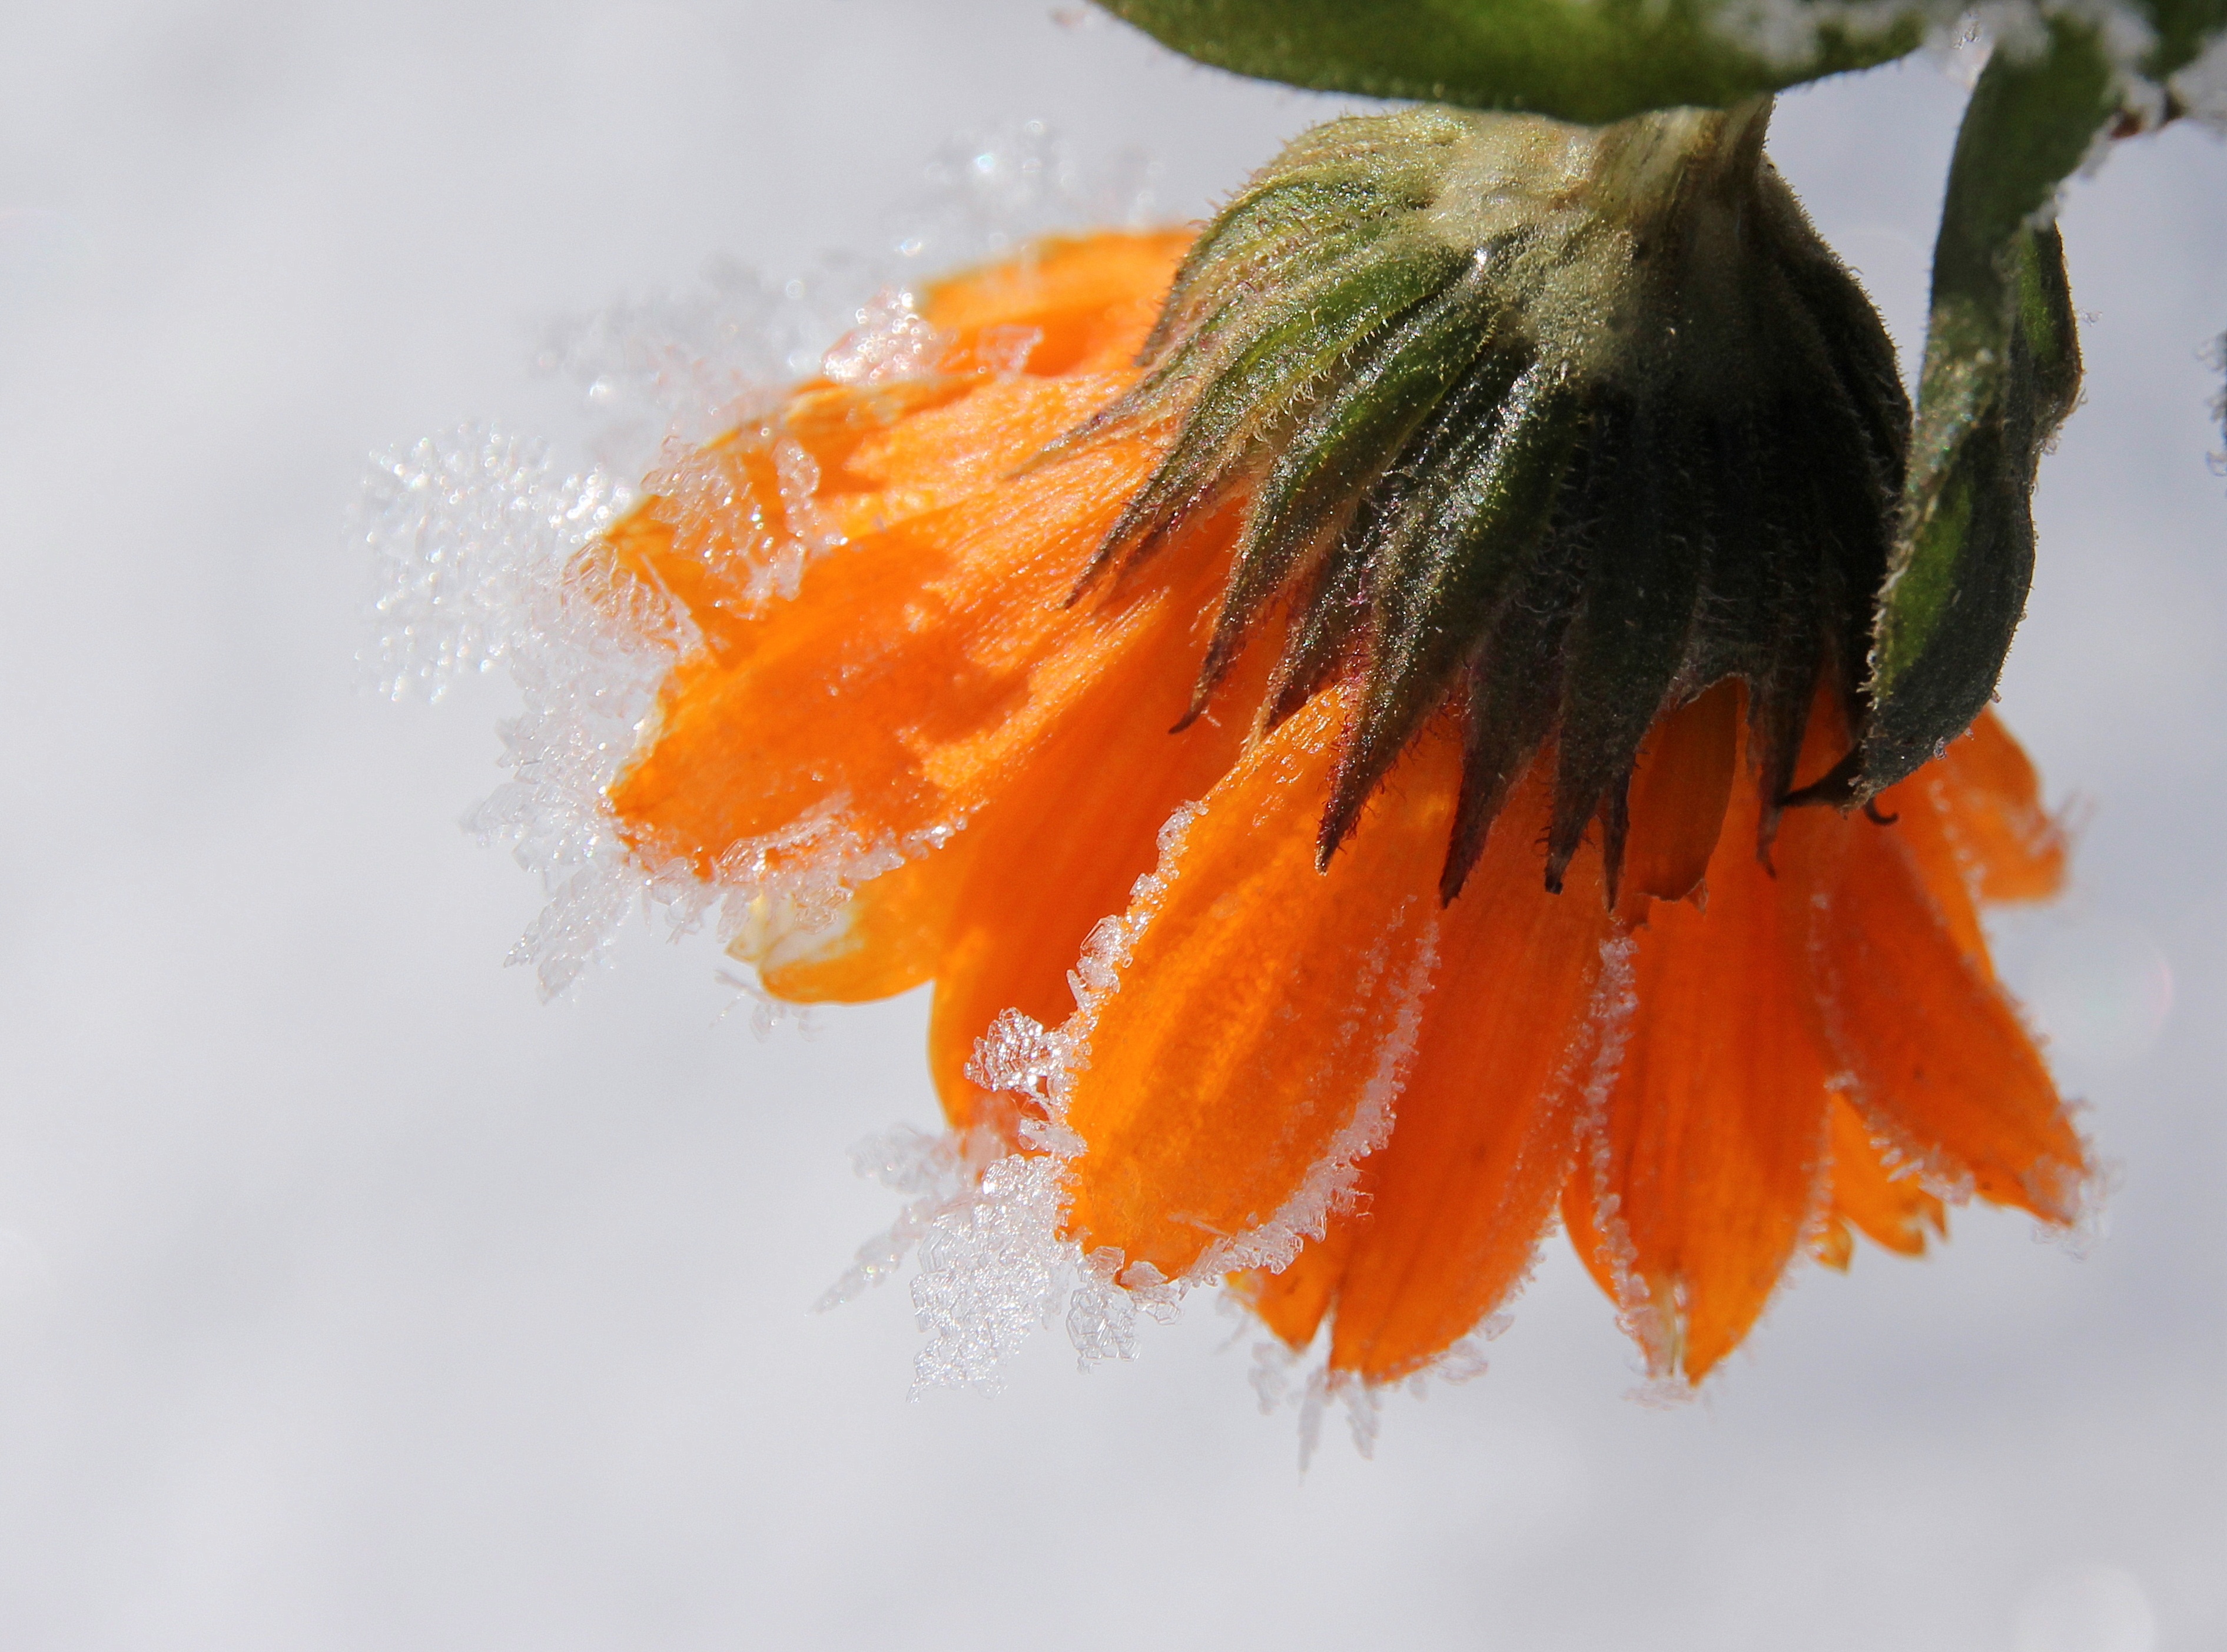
{"x": 1550, "y": 427}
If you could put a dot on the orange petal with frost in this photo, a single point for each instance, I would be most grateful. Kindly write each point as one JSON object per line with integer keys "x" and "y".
{"x": 1943, "y": 1068}
{"x": 1261, "y": 1019}
{"x": 886, "y": 938}
{"x": 940, "y": 455}
{"x": 1893, "y": 1210}
{"x": 1291, "y": 1304}
{"x": 1486, "y": 1126}
{"x": 1703, "y": 1172}
{"x": 926, "y": 645}
{"x": 2016, "y": 851}
{"x": 1974, "y": 826}
{"x": 1061, "y": 846}
{"x": 900, "y": 687}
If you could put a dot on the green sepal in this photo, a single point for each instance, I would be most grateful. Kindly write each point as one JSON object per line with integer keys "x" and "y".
{"x": 1443, "y": 581}
{"x": 1632, "y": 632}
{"x": 1340, "y": 450}
{"x": 1594, "y": 62}
{"x": 1290, "y": 352}
{"x": 2002, "y": 369}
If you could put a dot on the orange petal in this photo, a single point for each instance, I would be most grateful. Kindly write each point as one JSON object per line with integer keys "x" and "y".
{"x": 1973, "y": 824}
{"x": 1063, "y": 846}
{"x": 1485, "y": 1124}
{"x": 941, "y": 454}
{"x": 1916, "y": 812}
{"x": 1706, "y": 1166}
{"x": 927, "y": 643}
{"x": 1260, "y": 1019}
{"x": 2016, "y": 850}
{"x": 916, "y": 667}
{"x": 1833, "y": 1243}
{"x": 884, "y": 939}
{"x": 1679, "y": 791}
{"x": 1094, "y": 297}
{"x": 1291, "y": 1304}
{"x": 1893, "y": 1210}
{"x": 1942, "y": 1067}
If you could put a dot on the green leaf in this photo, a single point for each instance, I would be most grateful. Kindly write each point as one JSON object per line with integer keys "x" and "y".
{"x": 1595, "y": 61}
{"x": 2002, "y": 369}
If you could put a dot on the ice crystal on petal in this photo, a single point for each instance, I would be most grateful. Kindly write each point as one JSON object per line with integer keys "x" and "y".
{"x": 1329, "y": 1185}
{"x": 671, "y": 372}
{"x": 1609, "y": 1023}
{"x": 476, "y": 535}
{"x": 892, "y": 341}
{"x": 467, "y": 532}
{"x": 991, "y": 190}
{"x": 478, "y": 539}
{"x": 1281, "y": 1383}
{"x": 935, "y": 1173}
{"x": 1101, "y": 1313}
{"x": 991, "y": 1266}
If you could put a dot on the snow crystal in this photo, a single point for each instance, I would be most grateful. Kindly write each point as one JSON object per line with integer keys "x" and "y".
{"x": 467, "y": 533}
{"x": 892, "y": 341}
{"x": 2088, "y": 1199}
{"x": 769, "y": 1014}
{"x": 992, "y": 1267}
{"x": 989, "y": 192}
{"x": 482, "y": 544}
{"x": 1304, "y": 1383}
{"x": 475, "y": 536}
{"x": 671, "y": 370}
{"x": 936, "y": 1172}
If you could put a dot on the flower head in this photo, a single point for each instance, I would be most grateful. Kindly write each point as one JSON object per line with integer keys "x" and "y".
{"x": 1486, "y": 483}
{"x": 1560, "y": 424}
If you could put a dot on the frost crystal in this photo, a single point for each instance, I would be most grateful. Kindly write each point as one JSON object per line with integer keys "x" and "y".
{"x": 467, "y": 532}
{"x": 892, "y": 341}
{"x": 938, "y": 1173}
{"x": 991, "y": 1269}
{"x": 475, "y": 535}
{"x": 1329, "y": 1185}
{"x": 1285, "y": 1380}
{"x": 478, "y": 540}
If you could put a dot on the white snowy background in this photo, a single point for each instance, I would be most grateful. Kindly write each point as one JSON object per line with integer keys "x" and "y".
{"x": 350, "y": 1298}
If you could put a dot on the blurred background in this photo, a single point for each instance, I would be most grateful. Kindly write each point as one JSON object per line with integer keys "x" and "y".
{"x": 350, "y": 1297}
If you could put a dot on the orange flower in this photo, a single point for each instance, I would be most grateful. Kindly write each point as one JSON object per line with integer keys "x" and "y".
{"x": 1360, "y": 1102}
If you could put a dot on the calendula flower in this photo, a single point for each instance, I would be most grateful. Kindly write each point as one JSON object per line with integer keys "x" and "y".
{"x": 1353, "y": 711}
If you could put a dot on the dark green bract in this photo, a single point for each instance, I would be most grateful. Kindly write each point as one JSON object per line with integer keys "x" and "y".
{"x": 1551, "y": 426}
